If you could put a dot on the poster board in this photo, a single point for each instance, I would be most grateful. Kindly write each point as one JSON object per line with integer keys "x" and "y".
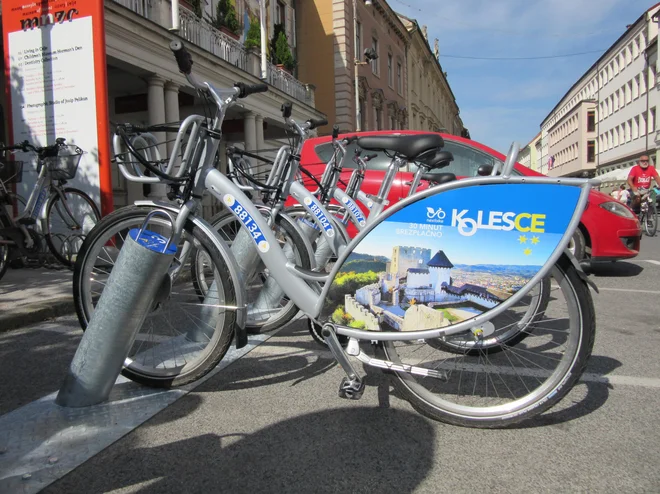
{"x": 56, "y": 76}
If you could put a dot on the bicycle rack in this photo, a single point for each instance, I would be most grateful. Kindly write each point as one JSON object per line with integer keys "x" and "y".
{"x": 139, "y": 275}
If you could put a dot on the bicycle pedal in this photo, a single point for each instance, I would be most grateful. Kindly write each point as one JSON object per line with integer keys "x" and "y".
{"x": 351, "y": 389}
{"x": 27, "y": 221}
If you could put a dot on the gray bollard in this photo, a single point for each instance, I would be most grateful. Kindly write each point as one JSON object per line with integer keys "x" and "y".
{"x": 141, "y": 270}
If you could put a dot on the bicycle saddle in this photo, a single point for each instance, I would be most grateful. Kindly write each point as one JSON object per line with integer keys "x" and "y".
{"x": 408, "y": 146}
{"x": 438, "y": 160}
{"x": 439, "y": 178}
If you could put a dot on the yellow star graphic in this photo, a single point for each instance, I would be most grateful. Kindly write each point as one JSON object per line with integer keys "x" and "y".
{"x": 522, "y": 239}
{"x": 527, "y": 252}
{"x": 535, "y": 240}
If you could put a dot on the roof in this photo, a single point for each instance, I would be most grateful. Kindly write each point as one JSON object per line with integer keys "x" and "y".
{"x": 439, "y": 261}
{"x": 418, "y": 271}
{"x": 469, "y": 288}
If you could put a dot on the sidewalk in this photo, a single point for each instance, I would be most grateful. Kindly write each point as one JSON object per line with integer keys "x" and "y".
{"x": 32, "y": 295}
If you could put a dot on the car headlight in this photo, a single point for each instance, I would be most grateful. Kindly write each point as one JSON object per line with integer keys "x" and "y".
{"x": 618, "y": 209}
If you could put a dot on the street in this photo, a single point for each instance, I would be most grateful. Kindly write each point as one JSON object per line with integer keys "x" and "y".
{"x": 272, "y": 421}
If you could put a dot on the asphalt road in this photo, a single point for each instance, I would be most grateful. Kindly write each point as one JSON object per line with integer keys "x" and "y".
{"x": 272, "y": 422}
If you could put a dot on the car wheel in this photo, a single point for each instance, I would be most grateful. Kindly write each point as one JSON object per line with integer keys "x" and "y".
{"x": 577, "y": 245}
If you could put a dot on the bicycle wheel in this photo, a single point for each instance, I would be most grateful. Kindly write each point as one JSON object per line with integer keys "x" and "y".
{"x": 4, "y": 250}
{"x": 269, "y": 314}
{"x": 182, "y": 338}
{"x": 67, "y": 223}
{"x": 494, "y": 389}
{"x": 650, "y": 221}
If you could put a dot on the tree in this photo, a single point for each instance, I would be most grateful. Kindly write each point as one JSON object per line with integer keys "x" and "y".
{"x": 283, "y": 52}
{"x": 277, "y": 29}
{"x": 225, "y": 16}
{"x": 253, "y": 38}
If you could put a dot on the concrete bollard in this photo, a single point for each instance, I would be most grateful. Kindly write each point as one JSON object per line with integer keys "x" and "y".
{"x": 140, "y": 272}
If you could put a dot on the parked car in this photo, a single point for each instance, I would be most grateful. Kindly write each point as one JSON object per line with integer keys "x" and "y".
{"x": 608, "y": 230}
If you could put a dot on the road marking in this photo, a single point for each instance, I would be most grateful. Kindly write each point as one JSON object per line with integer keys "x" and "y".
{"x": 654, "y": 292}
{"x": 649, "y": 260}
{"x": 645, "y": 382}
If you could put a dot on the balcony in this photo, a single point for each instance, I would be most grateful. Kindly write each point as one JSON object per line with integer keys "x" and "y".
{"x": 219, "y": 44}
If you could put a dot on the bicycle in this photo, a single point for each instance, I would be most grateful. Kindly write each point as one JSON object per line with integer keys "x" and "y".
{"x": 64, "y": 214}
{"x": 648, "y": 214}
{"x": 517, "y": 381}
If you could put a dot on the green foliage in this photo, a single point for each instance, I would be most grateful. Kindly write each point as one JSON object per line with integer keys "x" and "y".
{"x": 253, "y": 38}
{"x": 283, "y": 52}
{"x": 197, "y": 7}
{"x": 277, "y": 29}
{"x": 362, "y": 266}
{"x": 341, "y": 317}
{"x": 448, "y": 315}
{"x": 348, "y": 283}
{"x": 225, "y": 16}
{"x": 358, "y": 325}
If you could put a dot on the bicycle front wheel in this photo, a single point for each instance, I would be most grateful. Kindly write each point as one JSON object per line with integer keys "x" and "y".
{"x": 485, "y": 388}
{"x": 183, "y": 337}
{"x": 650, "y": 221}
{"x": 69, "y": 218}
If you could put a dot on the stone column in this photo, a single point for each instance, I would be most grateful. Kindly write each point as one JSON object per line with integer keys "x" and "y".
{"x": 156, "y": 109}
{"x": 171, "y": 111}
{"x": 250, "y": 134}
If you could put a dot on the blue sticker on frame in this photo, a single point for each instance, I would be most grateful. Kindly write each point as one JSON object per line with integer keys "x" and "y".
{"x": 450, "y": 256}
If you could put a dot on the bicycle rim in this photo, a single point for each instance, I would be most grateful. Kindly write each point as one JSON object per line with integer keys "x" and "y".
{"x": 68, "y": 224}
{"x": 183, "y": 337}
{"x": 487, "y": 389}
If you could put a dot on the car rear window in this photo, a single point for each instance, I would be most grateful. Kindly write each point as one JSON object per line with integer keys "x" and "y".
{"x": 467, "y": 159}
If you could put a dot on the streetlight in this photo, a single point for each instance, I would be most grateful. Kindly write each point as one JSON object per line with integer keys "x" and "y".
{"x": 371, "y": 55}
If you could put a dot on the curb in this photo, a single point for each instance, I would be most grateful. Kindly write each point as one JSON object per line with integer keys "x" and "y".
{"x": 36, "y": 312}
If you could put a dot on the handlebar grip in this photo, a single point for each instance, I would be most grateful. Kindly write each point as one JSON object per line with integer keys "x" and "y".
{"x": 248, "y": 89}
{"x": 335, "y": 131}
{"x": 287, "y": 108}
{"x": 351, "y": 139}
{"x": 317, "y": 122}
{"x": 370, "y": 156}
{"x": 183, "y": 58}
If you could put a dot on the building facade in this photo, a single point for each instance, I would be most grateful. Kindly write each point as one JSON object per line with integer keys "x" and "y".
{"x": 327, "y": 55}
{"x": 431, "y": 102}
{"x": 607, "y": 119}
{"x": 145, "y": 86}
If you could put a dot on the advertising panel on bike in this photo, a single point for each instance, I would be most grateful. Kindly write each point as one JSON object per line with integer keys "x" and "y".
{"x": 56, "y": 78}
{"x": 451, "y": 256}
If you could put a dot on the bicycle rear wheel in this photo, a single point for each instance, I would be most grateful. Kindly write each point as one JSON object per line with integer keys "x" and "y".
{"x": 650, "y": 221}
{"x": 183, "y": 337}
{"x": 521, "y": 379}
{"x": 68, "y": 221}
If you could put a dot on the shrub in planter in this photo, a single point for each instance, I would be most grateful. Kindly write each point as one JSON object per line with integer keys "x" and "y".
{"x": 253, "y": 38}
{"x": 283, "y": 53}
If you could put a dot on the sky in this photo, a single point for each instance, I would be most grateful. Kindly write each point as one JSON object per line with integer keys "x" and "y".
{"x": 502, "y": 101}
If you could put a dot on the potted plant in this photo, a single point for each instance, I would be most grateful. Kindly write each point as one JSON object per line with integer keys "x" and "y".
{"x": 253, "y": 38}
{"x": 194, "y": 5}
{"x": 283, "y": 57}
{"x": 226, "y": 20}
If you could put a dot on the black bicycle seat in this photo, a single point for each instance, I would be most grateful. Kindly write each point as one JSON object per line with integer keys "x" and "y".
{"x": 438, "y": 178}
{"x": 408, "y": 146}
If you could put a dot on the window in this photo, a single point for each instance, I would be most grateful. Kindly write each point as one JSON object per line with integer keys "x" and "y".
{"x": 652, "y": 120}
{"x": 392, "y": 121}
{"x": 378, "y": 119}
{"x": 280, "y": 13}
{"x": 591, "y": 151}
{"x": 635, "y": 87}
{"x": 399, "y": 78}
{"x": 652, "y": 76}
{"x": 390, "y": 71}
{"x": 591, "y": 120}
{"x": 635, "y": 128}
{"x": 374, "y": 63}
{"x": 358, "y": 41}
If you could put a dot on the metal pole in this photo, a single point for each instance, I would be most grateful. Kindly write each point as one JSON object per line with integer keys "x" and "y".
{"x": 355, "y": 64}
{"x": 175, "y": 16}
{"x": 262, "y": 23}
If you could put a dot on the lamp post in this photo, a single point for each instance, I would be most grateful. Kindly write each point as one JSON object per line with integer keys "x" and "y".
{"x": 356, "y": 64}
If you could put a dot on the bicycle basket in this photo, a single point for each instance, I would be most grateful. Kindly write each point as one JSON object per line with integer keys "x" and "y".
{"x": 11, "y": 172}
{"x": 65, "y": 165}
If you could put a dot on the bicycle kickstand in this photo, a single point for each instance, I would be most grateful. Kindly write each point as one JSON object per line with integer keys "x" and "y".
{"x": 351, "y": 386}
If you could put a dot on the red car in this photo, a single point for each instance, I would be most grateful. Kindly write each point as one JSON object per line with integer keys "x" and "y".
{"x": 608, "y": 230}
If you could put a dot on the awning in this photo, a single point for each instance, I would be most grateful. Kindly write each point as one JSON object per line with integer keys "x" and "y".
{"x": 617, "y": 175}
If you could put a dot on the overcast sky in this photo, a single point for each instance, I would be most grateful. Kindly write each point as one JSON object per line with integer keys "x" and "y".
{"x": 506, "y": 100}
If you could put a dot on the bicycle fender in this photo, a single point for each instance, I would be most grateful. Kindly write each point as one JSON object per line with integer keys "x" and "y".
{"x": 225, "y": 252}
{"x": 580, "y": 270}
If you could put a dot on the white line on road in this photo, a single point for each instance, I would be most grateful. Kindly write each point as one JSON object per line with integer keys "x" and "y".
{"x": 654, "y": 292}
{"x": 645, "y": 382}
{"x": 649, "y": 260}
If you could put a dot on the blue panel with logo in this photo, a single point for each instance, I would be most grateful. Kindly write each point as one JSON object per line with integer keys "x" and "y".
{"x": 458, "y": 253}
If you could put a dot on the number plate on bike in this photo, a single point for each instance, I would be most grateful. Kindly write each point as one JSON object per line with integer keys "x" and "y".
{"x": 247, "y": 220}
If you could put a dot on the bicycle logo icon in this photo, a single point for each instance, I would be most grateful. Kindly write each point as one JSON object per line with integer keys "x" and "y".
{"x": 435, "y": 214}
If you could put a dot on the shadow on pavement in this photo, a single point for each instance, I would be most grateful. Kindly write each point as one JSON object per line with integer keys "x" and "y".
{"x": 619, "y": 269}
{"x": 338, "y": 450}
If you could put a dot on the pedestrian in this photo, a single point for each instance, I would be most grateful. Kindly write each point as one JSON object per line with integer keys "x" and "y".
{"x": 621, "y": 194}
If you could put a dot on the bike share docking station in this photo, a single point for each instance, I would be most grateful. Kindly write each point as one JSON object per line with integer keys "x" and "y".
{"x": 44, "y": 440}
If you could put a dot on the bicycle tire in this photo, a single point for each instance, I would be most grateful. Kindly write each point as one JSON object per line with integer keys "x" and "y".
{"x": 650, "y": 221}
{"x": 220, "y": 223}
{"x": 4, "y": 250}
{"x": 68, "y": 246}
{"x": 107, "y": 235}
{"x": 571, "y": 362}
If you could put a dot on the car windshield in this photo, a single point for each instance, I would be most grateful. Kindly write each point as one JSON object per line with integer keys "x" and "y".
{"x": 467, "y": 159}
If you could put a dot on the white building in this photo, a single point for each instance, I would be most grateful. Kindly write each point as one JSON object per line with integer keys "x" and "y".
{"x": 607, "y": 118}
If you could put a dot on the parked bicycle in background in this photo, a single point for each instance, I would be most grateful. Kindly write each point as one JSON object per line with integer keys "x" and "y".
{"x": 58, "y": 214}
